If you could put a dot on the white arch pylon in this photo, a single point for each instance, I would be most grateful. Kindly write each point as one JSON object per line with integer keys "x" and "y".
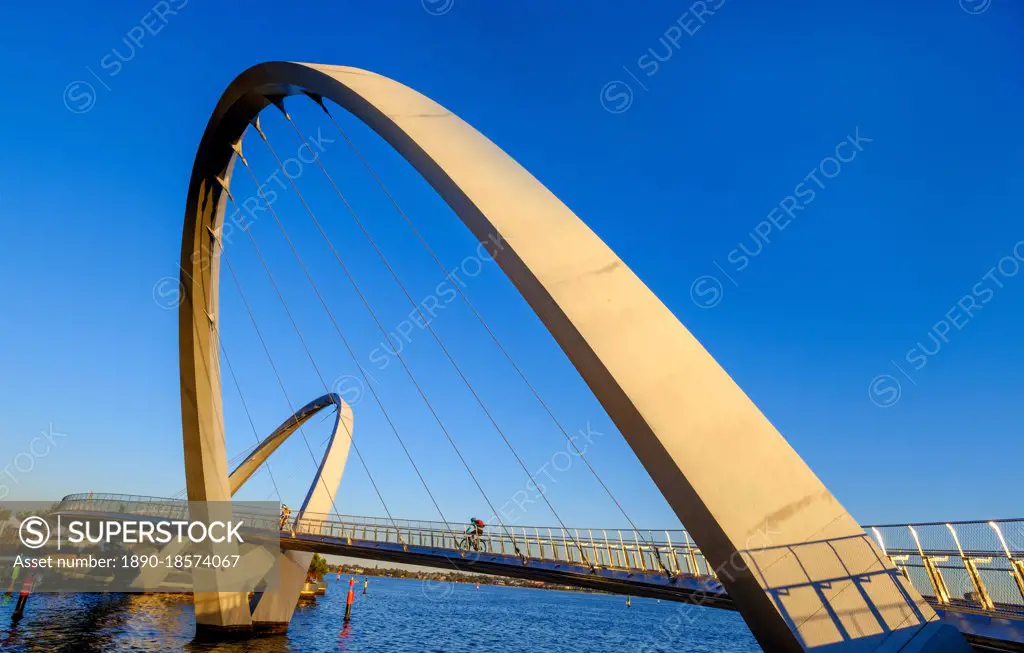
{"x": 801, "y": 571}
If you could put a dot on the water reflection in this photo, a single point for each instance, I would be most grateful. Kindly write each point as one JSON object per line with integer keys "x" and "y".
{"x": 397, "y": 616}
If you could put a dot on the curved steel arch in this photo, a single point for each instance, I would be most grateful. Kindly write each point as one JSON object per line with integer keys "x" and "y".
{"x": 790, "y": 555}
{"x": 319, "y": 497}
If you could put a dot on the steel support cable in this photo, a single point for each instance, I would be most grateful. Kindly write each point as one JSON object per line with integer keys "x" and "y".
{"x": 266, "y": 349}
{"x": 231, "y": 461}
{"x": 430, "y": 329}
{"x": 401, "y": 359}
{"x": 298, "y": 332}
{"x": 366, "y": 380}
{"x": 238, "y": 387}
{"x": 280, "y": 382}
{"x": 237, "y": 458}
{"x": 277, "y": 374}
{"x": 293, "y": 472}
{"x": 309, "y": 354}
{"x": 290, "y": 474}
{"x": 273, "y": 366}
{"x": 490, "y": 332}
{"x": 344, "y": 340}
{"x": 234, "y": 378}
{"x": 216, "y": 328}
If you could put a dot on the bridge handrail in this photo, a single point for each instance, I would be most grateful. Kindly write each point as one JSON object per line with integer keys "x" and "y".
{"x": 168, "y": 508}
{"x": 110, "y": 496}
{"x": 962, "y": 522}
{"x": 524, "y": 532}
{"x": 677, "y": 537}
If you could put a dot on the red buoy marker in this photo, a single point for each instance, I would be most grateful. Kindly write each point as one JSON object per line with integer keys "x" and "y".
{"x": 26, "y": 589}
{"x": 350, "y": 599}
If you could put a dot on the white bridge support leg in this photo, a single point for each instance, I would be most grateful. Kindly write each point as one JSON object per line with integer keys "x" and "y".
{"x": 801, "y": 571}
{"x": 273, "y": 610}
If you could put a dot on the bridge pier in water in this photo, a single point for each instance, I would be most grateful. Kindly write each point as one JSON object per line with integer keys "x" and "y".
{"x": 273, "y": 611}
{"x": 222, "y": 616}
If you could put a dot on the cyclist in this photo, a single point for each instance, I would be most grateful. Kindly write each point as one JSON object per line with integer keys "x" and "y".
{"x": 475, "y": 532}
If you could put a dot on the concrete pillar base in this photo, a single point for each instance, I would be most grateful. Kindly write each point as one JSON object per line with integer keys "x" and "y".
{"x": 270, "y": 627}
{"x": 212, "y": 633}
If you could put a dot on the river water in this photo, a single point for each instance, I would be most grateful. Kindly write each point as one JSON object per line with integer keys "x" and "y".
{"x": 396, "y": 616}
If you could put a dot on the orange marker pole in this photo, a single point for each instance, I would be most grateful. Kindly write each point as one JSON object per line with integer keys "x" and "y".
{"x": 350, "y": 599}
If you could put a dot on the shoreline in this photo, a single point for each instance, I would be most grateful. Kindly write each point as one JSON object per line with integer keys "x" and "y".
{"x": 464, "y": 578}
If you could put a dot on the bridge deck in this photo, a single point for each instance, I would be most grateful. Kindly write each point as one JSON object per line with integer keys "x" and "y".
{"x": 680, "y": 587}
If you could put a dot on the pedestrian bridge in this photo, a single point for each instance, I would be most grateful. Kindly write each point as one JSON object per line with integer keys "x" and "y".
{"x": 664, "y": 564}
{"x": 971, "y": 572}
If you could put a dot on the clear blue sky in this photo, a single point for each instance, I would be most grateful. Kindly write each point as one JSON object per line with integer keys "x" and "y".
{"x": 743, "y": 105}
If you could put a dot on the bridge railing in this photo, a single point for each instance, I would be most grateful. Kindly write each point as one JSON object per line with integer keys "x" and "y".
{"x": 649, "y": 551}
{"x": 975, "y": 565}
{"x": 156, "y": 508}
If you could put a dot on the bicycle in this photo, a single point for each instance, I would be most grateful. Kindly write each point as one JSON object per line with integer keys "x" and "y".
{"x": 470, "y": 541}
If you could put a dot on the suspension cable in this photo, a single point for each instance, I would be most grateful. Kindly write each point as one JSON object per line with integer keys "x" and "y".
{"x": 380, "y": 326}
{"x": 483, "y": 323}
{"x": 234, "y": 460}
{"x": 474, "y": 311}
{"x": 234, "y": 377}
{"x": 344, "y": 340}
{"x": 216, "y": 326}
{"x": 291, "y": 406}
{"x": 273, "y": 283}
{"x": 427, "y": 323}
{"x": 293, "y": 471}
{"x": 351, "y": 354}
{"x": 241, "y": 396}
